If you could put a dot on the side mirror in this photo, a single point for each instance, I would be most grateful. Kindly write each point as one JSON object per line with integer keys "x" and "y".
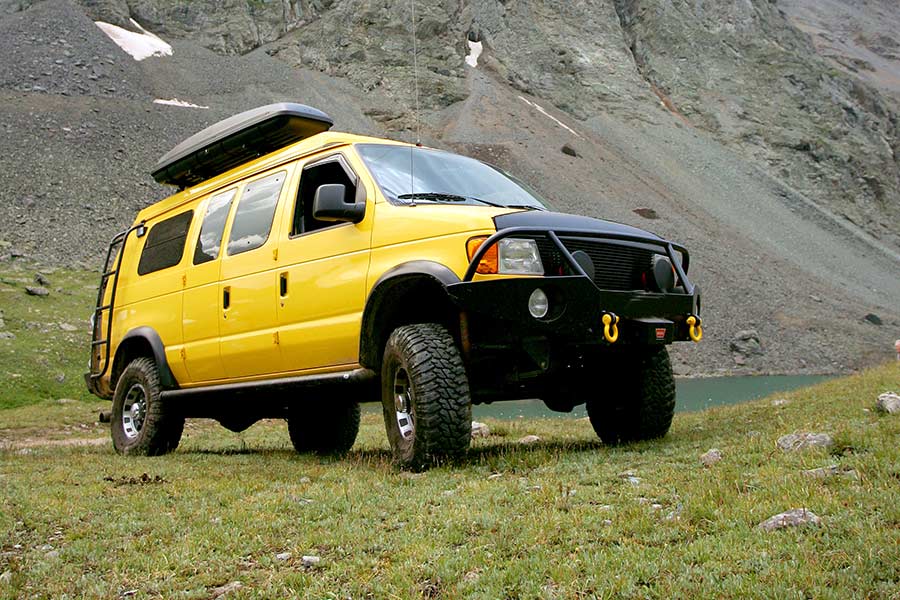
{"x": 329, "y": 205}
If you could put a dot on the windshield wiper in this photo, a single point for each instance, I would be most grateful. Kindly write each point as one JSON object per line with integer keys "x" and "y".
{"x": 443, "y": 197}
{"x": 525, "y": 206}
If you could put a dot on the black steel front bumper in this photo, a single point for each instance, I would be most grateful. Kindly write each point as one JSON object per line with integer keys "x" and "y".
{"x": 577, "y": 303}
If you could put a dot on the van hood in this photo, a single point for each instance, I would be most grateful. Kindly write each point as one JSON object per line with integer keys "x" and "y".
{"x": 555, "y": 220}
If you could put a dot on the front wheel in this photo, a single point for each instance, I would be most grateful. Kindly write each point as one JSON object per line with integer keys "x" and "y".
{"x": 140, "y": 423}
{"x": 425, "y": 396}
{"x": 640, "y": 402}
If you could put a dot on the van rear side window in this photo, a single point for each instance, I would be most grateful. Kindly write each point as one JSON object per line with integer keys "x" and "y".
{"x": 210, "y": 241}
{"x": 165, "y": 244}
{"x": 255, "y": 211}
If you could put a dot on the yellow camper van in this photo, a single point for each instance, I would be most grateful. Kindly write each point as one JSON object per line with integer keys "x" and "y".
{"x": 298, "y": 272}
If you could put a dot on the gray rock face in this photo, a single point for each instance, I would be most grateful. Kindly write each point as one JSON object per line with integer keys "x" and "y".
{"x": 792, "y": 518}
{"x": 889, "y": 403}
{"x": 802, "y": 441}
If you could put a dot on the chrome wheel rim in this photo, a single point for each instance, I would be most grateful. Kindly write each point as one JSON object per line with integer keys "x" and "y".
{"x": 403, "y": 404}
{"x": 134, "y": 411}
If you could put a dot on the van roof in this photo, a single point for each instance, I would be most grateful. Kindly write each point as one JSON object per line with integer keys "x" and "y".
{"x": 310, "y": 145}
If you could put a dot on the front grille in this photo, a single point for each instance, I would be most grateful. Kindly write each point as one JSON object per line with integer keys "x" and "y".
{"x": 616, "y": 266}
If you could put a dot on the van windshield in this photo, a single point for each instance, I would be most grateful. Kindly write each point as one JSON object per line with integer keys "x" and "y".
{"x": 415, "y": 175}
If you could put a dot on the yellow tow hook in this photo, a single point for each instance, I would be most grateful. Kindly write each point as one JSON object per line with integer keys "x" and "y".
{"x": 610, "y": 327}
{"x": 695, "y": 328}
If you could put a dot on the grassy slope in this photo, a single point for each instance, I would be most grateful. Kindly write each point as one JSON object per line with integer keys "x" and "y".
{"x": 230, "y": 503}
{"x": 45, "y": 361}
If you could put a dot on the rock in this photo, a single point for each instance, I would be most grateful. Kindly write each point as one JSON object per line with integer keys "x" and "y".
{"x": 305, "y": 480}
{"x": 830, "y": 471}
{"x": 529, "y": 439}
{"x": 873, "y": 319}
{"x": 804, "y": 440}
{"x": 746, "y": 343}
{"x": 61, "y": 378}
{"x": 37, "y": 291}
{"x": 283, "y": 556}
{"x": 779, "y": 402}
{"x": 223, "y": 590}
{"x": 647, "y": 213}
{"x": 494, "y": 476}
{"x": 711, "y": 457}
{"x": 792, "y": 518}
{"x": 310, "y": 561}
{"x": 888, "y": 402}
{"x": 569, "y": 150}
{"x": 41, "y": 280}
{"x": 68, "y": 327}
{"x": 6, "y": 577}
{"x": 7, "y": 335}
{"x": 52, "y": 554}
{"x": 480, "y": 430}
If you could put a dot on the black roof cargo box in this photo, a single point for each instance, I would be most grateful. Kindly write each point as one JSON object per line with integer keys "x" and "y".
{"x": 238, "y": 139}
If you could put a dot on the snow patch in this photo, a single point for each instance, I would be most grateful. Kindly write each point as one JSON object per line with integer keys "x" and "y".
{"x": 541, "y": 110}
{"x": 139, "y": 45}
{"x": 475, "y": 49}
{"x": 177, "y": 102}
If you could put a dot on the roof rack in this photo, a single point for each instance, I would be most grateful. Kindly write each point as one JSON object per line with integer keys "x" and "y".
{"x": 238, "y": 139}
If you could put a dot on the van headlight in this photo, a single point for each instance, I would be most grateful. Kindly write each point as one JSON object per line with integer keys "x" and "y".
{"x": 519, "y": 257}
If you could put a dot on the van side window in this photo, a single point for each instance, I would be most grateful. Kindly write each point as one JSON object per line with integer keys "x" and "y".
{"x": 256, "y": 208}
{"x": 210, "y": 240}
{"x": 165, "y": 243}
{"x": 330, "y": 170}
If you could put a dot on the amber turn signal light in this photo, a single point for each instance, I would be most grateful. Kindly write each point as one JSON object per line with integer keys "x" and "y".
{"x": 489, "y": 263}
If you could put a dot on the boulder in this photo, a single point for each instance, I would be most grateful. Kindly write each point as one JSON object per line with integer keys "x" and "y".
{"x": 830, "y": 471}
{"x": 804, "y": 440}
{"x": 569, "y": 150}
{"x": 310, "y": 561}
{"x": 40, "y": 291}
{"x": 647, "y": 213}
{"x": 745, "y": 343}
{"x": 792, "y": 518}
{"x": 480, "y": 430}
{"x": 711, "y": 457}
{"x": 529, "y": 439}
{"x": 888, "y": 402}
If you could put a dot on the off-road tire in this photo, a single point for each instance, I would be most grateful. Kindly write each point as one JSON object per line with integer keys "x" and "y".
{"x": 324, "y": 426}
{"x": 638, "y": 402}
{"x": 438, "y": 395}
{"x": 161, "y": 428}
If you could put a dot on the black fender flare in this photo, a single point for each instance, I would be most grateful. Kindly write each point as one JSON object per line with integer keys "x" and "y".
{"x": 151, "y": 337}
{"x": 432, "y": 271}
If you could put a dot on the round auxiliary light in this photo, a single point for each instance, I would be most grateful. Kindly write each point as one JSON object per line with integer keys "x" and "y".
{"x": 663, "y": 274}
{"x": 538, "y": 304}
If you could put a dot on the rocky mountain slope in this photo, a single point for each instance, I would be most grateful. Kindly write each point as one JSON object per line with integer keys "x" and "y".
{"x": 753, "y": 132}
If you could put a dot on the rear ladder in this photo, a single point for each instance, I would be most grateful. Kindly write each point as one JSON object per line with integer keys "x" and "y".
{"x": 114, "y": 252}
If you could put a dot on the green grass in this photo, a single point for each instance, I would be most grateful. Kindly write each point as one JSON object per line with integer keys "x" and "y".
{"x": 560, "y": 521}
{"x": 45, "y": 361}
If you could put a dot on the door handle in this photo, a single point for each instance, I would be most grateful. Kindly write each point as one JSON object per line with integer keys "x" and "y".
{"x": 283, "y": 284}
{"x": 226, "y": 298}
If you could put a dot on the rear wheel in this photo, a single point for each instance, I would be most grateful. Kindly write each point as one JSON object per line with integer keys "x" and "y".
{"x": 324, "y": 426}
{"x": 425, "y": 396}
{"x": 140, "y": 422}
{"x": 641, "y": 400}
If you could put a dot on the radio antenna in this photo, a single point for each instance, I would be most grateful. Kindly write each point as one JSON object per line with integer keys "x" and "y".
{"x": 412, "y": 4}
